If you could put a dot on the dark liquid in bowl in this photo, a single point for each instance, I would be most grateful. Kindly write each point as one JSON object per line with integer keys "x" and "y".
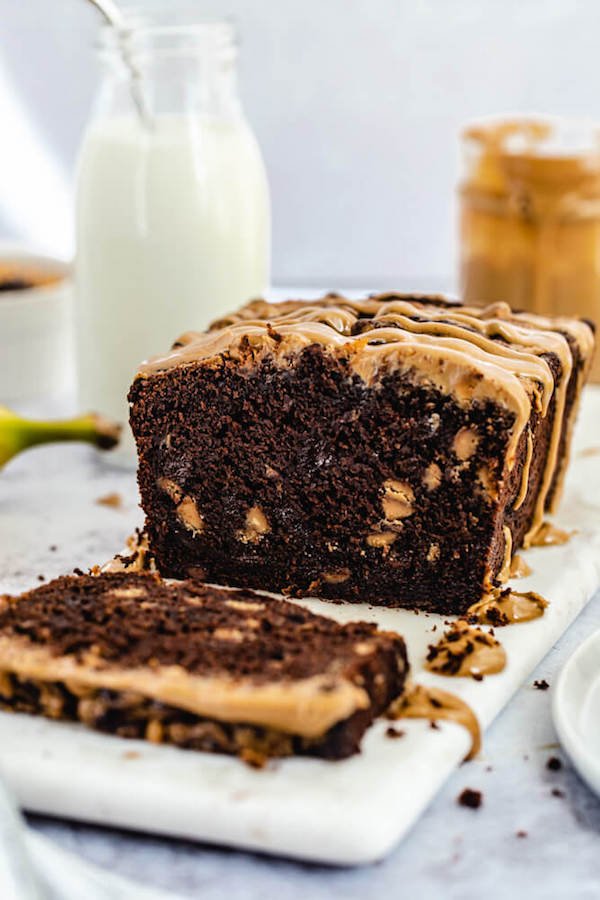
{"x": 15, "y": 284}
{"x": 13, "y": 277}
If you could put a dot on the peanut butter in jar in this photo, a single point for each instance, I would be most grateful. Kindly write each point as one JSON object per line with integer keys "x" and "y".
{"x": 530, "y": 217}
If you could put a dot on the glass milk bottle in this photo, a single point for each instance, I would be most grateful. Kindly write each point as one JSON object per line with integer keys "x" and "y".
{"x": 173, "y": 213}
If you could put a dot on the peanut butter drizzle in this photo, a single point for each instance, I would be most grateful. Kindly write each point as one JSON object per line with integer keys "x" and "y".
{"x": 583, "y": 336}
{"x": 420, "y": 702}
{"x": 525, "y": 477}
{"x": 464, "y": 652}
{"x": 549, "y": 535}
{"x": 519, "y": 568}
{"x": 504, "y": 572}
{"x": 507, "y": 607}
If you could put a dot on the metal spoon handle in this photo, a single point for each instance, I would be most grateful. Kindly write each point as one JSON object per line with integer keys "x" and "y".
{"x": 116, "y": 20}
{"x": 110, "y": 11}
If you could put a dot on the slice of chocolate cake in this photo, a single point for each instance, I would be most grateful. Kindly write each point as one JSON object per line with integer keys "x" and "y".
{"x": 199, "y": 667}
{"x": 396, "y": 450}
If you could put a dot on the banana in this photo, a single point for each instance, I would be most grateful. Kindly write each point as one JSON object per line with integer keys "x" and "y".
{"x": 18, "y": 433}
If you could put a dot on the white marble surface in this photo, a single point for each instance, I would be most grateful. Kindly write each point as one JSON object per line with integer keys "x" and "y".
{"x": 452, "y": 851}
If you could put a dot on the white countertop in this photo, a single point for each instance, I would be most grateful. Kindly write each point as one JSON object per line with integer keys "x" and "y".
{"x": 48, "y": 500}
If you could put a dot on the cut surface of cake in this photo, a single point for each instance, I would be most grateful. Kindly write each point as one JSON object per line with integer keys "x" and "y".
{"x": 202, "y": 668}
{"x": 395, "y": 450}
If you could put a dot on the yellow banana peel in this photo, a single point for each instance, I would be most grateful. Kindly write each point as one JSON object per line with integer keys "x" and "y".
{"x": 18, "y": 433}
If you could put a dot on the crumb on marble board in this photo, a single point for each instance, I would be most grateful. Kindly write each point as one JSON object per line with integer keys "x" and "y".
{"x": 470, "y": 798}
{"x": 556, "y": 792}
{"x": 522, "y": 834}
{"x": 554, "y": 764}
{"x": 113, "y": 500}
{"x": 253, "y": 758}
{"x": 392, "y": 732}
{"x": 541, "y": 685}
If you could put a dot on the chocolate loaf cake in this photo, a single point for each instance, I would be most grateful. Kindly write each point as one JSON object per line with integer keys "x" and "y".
{"x": 202, "y": 668}
{"x": 395, "y": 450}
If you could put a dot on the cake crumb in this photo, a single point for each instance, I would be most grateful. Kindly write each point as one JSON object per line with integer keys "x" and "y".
{"x": 253, "y": 758}
{"x": 541, "y": 685}
{"x": 392, "y": 732}
{"x": 113, "y": 500}
{"x": 41, "y": 578}
{"x": 522, "y": 834}
{"x": 52, "y": 548}
{"x": 472, "y": 799}
{"x": 131, "y": 754}
{"x": 556, "y": 792}
{"x": 554, "y": 764}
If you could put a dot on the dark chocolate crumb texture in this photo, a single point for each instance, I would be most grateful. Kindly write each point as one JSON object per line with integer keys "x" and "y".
{"x": 395, "y": 450}
{"x": 199, "y": 667}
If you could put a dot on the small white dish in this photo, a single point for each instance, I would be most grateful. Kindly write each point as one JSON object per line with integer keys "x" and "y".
{"x": 36, "y": 339}
{"x": 576, "y": 710}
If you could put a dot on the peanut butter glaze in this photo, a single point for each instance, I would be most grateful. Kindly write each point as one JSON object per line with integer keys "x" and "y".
{"x": 420, "y": 702}
{"x": 507, "y": 607}
{"x": 519, "y": 568}
{"x": 464, "y": 652}
{"x": 549, "y": 535}
{"x": 504, "y": 573}
{"x": 470, "y": 353}
{"x": 525, "y": 478}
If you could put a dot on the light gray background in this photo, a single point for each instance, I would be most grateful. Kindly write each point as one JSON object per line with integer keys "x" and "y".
{"x": 356, "y": 103}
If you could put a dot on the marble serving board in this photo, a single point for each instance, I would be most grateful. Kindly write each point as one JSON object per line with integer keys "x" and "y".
{"x": 348, "y": 812}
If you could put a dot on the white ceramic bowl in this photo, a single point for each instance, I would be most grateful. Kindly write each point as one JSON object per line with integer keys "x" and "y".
{"x": 576, "y": 710}
{"x": 36, "y": 331}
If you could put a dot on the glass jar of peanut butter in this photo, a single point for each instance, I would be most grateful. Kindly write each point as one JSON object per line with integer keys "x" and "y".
{"x": 530, "y": 216}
